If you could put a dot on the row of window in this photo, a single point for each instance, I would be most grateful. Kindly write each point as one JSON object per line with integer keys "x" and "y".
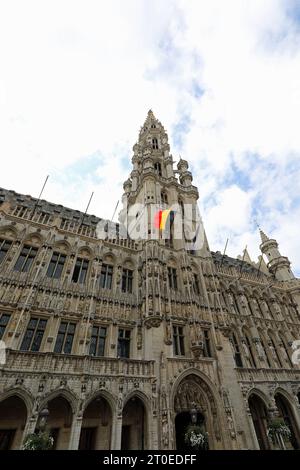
{"x": 237, "y": 308}
{"x": 56, "y": 265}
{"x": 35, "y": 330}
{"x": 57, "y": 262}
{"x": 179, "y": 342}
{"x": 269, "y": 349}
{"x": 64, "y": 341}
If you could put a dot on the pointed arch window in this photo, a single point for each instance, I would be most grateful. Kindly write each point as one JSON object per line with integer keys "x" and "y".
{"x": 155, "y": 143}
{"x": 157, "y": 168}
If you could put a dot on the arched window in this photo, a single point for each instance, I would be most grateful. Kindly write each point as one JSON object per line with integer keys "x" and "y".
{"x": 155, "y": 143}
{"x": 157, "y": 168}
{"x": 26, "y": 258}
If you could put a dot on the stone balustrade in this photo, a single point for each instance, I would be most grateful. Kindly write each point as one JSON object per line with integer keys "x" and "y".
{"x": 53, "y": 363}
{"x": 268, "y": 375}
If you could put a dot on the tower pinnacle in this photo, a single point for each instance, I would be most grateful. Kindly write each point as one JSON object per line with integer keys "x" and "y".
{"x": 277, "y": 264}
{"x": 263, "y": 236}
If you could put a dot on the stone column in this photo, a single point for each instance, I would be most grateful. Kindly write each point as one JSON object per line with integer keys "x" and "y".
{"x": 117, "y": 432}
{"x": 252, "y": 429}
{"x": 75, "y": 432}
{"x": 29, "y": 427}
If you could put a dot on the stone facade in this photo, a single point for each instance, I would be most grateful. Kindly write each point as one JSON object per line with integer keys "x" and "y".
{"x": 119, "y": 339}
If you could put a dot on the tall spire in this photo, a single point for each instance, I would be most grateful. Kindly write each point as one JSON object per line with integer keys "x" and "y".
{"x": 263, "y": 236}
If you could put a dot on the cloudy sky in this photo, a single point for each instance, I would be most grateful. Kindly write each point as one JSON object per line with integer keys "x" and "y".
{"x": 78, "y": 77}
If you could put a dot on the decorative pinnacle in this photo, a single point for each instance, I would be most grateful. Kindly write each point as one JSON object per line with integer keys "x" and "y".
{"x": 263, "y": 236}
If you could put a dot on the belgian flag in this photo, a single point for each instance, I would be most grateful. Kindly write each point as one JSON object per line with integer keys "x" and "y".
{"x": 161, "y": 217}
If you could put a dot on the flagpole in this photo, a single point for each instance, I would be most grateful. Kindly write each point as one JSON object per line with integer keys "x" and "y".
{"x": 258, "y": 273}
{"x": 38, "y": 199}
{"x": 86, "y": 210}
{"x": 242, "y": 261}
{"x": 224, "y": 252}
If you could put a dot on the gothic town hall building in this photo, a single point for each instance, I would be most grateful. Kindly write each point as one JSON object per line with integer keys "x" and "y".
{"x": 123, "y": 341}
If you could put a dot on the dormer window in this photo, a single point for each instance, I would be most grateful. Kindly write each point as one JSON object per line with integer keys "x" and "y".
{"x": 154, "y": 144}
{"x": 153, "y": 126}
{"x": 157, "y": 168}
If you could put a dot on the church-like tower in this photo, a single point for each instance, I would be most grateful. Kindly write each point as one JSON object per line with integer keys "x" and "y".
{"x": 126, "y": 338}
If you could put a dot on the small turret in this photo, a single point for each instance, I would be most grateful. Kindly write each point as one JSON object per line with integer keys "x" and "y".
{"x": 277, "y": 264}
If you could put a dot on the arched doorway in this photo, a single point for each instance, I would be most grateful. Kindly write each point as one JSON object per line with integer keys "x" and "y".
{"x": 96, "y": 425}
{"x": 285, "y": 412}
{"x": 259, "y": 416}
{"x": 59, "y": 422}
{"x": 134, "y": 425}
{"x": 194, "y": 397}
{"x": 13, "y": 416}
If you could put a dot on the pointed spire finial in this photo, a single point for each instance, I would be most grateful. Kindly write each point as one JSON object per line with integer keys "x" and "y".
{"x": 263, "y": 236}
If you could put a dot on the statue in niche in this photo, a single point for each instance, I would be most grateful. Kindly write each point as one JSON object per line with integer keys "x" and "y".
{"x": 53, "y": 301}
{"x": 259, "y": 349}
{"x": 127, "y": 313}
{"x": 276, "y": 308}
{"x": 243, "y": 301}
{"x": 23, "y": 297}
{"x": 150, "y": 303}
{"x": 246, "y": 351}
{"x": 60, "y": 303}
{"x": 230, "y": 299}
{"x": 165, "y": 430}
{"x": 168, "y": 337}
{"x": 118, "y": 277}
{"x": 193, "y": 334}
{"x": 139, "y": 338}
{"x": 184, "y": 276}
{"x": 163, "y": 396}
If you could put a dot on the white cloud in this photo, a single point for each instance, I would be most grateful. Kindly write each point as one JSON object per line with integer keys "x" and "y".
{"x": 78, "y": 78}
